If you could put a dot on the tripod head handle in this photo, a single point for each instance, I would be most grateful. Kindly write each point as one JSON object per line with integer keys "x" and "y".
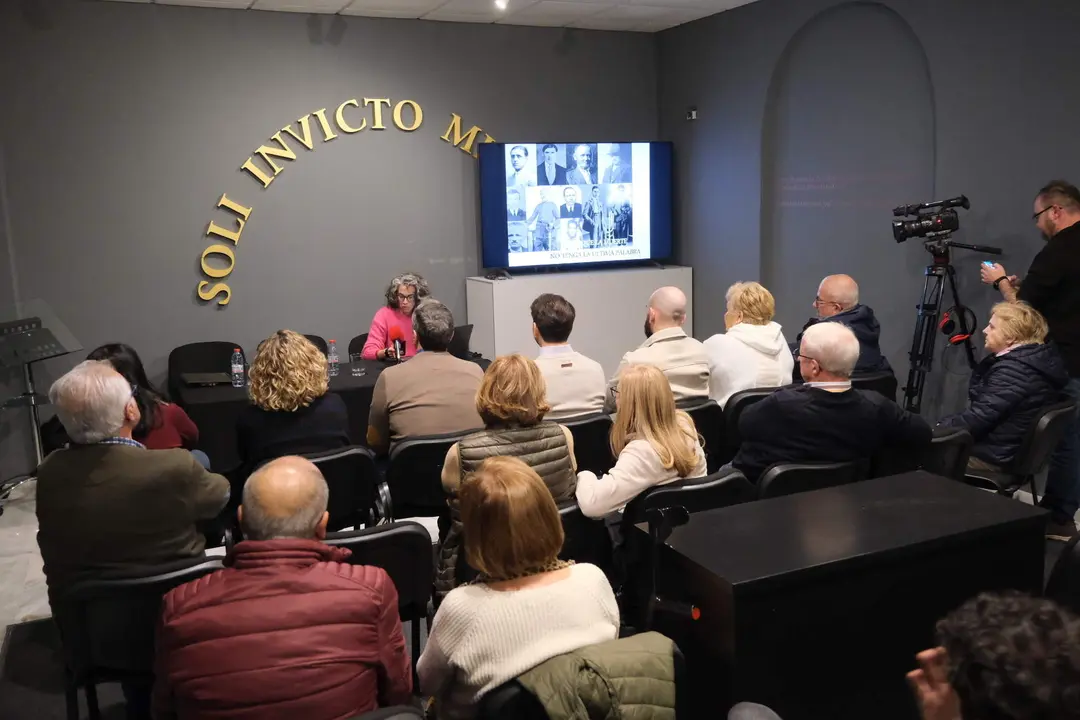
{"x": 987, "y": 249}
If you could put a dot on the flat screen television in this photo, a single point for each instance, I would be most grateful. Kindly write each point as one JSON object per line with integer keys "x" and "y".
{"x": 546, "y": 205}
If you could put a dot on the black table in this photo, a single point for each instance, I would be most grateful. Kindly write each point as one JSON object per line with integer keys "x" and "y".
{"x": 815, "y": 604}
{"x": 214, "y": 410}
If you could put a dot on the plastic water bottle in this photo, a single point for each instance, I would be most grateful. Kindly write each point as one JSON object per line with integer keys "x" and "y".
{"x": 237, "y": 368}
{"x": 332, "y": 359}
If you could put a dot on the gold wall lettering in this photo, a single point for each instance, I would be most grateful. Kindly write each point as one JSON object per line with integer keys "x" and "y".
{"x": 263, "y": 166}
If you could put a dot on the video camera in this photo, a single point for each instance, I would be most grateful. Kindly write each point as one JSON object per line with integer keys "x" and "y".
{"x": 928, "y": 224}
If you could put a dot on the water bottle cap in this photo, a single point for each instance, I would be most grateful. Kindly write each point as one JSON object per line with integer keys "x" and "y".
{"x": 333, "y": 341}
{"x": 236, "y": 349}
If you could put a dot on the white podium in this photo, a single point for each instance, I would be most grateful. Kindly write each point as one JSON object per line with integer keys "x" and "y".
{"x": 610, "y": 306}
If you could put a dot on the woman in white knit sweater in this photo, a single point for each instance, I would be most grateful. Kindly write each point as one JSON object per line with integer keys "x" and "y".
{"x": 655, "y": 444}
{"x": 526, "y": 606}
{"x": 753, "y": 353}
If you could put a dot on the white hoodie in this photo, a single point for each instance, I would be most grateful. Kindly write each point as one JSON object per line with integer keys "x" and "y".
{"x": 747, "y": 356}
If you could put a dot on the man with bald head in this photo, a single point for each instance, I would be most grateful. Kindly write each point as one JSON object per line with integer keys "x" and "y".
{"x": 838, "y": 301}
{"x": 681, "y": 358}
{"x": 288, "y": 628}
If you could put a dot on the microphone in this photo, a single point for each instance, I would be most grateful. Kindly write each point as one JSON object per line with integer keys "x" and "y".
{"x": 397, "y": 338}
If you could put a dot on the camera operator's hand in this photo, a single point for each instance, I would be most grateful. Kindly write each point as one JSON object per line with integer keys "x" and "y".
{"x": 990, "y": 273}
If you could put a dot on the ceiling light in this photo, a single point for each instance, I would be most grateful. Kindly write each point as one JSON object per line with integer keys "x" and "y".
{"x": 501, "y": 4}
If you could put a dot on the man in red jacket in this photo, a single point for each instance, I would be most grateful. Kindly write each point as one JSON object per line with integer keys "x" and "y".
{"x": 288, "y": 629}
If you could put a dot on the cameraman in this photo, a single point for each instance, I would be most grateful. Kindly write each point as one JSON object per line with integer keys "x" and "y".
{"x": 1051, "y": 288}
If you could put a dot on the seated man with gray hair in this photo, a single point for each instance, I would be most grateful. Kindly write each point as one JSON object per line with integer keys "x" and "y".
{"x": 431, "y": 394}
{"x": 288, "y": 628}
{"x": 106, "y": 504}
{"x": 825, "y": 419}
{"x": 837, "y": 300}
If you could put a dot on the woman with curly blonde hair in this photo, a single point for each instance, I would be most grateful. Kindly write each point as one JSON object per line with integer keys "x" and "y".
{"x": 512, "y": 403}
{"x": 291, "y": 412}
{"x": 655, "y": 444}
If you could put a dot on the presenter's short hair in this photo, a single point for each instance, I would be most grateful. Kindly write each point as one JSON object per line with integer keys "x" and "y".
{"x": 1021, "y": 323}
{"x": 549, "y": 145}
{"x": 554, "y": 317}
{"x": 752, "y": 300}
{"x": 413, "y": 280}
{"x": 288, "y": 373}
{"x": 433, "y": 324}
{"x": 512, "y": 392}
{"x": 511, "y": 523}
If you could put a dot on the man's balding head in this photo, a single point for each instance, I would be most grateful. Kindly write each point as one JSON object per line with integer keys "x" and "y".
{"x": 667, "y": 309}
{"x": 836, "y": 294}
{"x": 286, "y": 498}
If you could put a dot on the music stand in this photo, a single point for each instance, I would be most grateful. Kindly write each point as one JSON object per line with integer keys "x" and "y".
{"x": 30, "y": 332}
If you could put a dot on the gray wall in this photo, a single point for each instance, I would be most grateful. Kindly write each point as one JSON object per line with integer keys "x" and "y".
{"x": 124, "y": 123}
{"x": 818, "y": 116}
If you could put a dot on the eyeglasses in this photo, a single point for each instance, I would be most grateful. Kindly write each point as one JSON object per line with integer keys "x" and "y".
{"x": 1048, "y": 207}
{"x": 406, "y": 298}
{"x": 818, "y": 302}
{"x": 614, "y": 391}
{"x": 800, "y": 356}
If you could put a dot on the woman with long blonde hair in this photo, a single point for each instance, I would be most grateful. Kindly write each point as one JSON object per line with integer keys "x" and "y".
{"x": 655, "y": 444}
{"x": 291, "y": 412}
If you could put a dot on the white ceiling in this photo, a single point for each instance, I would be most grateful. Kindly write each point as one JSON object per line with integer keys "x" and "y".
{"x": 633, "y": 15}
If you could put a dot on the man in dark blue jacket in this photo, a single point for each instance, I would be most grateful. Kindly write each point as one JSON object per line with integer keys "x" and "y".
{"x": 1019, "y": 377}
{"x": 838, "y": 301}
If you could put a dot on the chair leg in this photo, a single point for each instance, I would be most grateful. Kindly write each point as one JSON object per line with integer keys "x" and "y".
{"x": 91, "y": 701}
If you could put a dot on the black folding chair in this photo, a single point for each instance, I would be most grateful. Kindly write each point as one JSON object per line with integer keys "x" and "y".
{"x": 1042, "y": 437}
{"x": 883, "y": 383}
{"x": 356, "y": 345}
{"x": 592, "y": 442}
{"x": 414, "y": 476}
{"x": 403, "y": 550}
{"x": 790, "y": 478}
{"x": 200, "y": 357}
{"x": 1063, "y": 586}
{"x": 733, "y": 409}
{"x": 352, "y": 480}
{"x": 319, "y": 342}
{"x": 721, "y": 489}
{"x": 708, "y": 418}
{"x": 107, "y": 629}
{"x": 586, "y": 540}
{"x": 948, "y": 453}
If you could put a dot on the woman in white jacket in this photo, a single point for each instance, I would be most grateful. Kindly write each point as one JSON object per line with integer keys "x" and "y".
{"x": 654, "y": 442}
{"x": 753, "y": 352}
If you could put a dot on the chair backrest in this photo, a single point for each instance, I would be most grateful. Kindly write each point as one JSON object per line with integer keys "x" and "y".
{"x": 592, "y": 442}
{"x": 356, "y": 345}
{"x": 459, "y": 344}
{"x": 352, "y": 479}
{"x": 586, "y": 540}
{"x": 948, "y": 453}
{"x": 721, "y": 489}
{"x": 510, "y": 700}
{"x": 1042, "y": 437}
{"x": 708, "y": 418}
{"x": 790, "y": 478}
{"x": 732, "y": 410}
{"x": 415, "y": 474}
{"x": 883, "y": 383}
{"x": 107, "y": 626}
{"x": 403, "y": 550}
{"x": 200, "y": 357}
{"x": 1063, "y": 586}
{"x": 319, "y": 342}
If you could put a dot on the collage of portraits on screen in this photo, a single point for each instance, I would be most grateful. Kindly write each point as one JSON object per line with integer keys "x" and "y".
{"x": 569, "y": 197}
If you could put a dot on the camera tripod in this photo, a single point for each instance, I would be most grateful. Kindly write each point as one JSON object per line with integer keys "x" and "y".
{"x": 928, "y": 321}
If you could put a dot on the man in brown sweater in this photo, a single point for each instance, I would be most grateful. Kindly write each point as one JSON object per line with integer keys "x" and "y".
{"x": 430, "y": 394}
{"x": 106, "y": 504}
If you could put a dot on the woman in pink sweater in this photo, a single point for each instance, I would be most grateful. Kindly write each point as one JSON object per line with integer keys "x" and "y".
{"x": 404, "y": 294}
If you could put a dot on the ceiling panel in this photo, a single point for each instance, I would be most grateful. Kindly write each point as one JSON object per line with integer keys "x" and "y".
{"x": 626, "y": 15}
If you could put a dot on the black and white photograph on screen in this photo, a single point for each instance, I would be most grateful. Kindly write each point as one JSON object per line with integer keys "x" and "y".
{"x": 515, "y": 204}
{"x": 571, "y": 238}
{"x": 521, "y": 166}
{"x": 551, "y": 165}
{"x": 581, "y": 164}
{"x": 518, "y": 237}
{"x": 543, "y": 222}
{"x": 592, "y": 214}
{"x": 571, "y": 206}
{"x": 615, "y": 163}
{"x": 621, "y": 214}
